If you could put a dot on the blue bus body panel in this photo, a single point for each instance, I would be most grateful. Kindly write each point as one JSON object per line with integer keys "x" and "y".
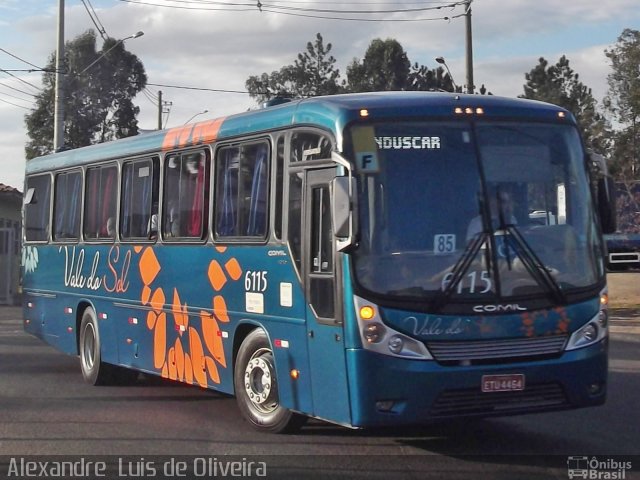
{"x": 173, "y": 310}
{"x": 424, "y": 390}
{"x": 562, "y": 320}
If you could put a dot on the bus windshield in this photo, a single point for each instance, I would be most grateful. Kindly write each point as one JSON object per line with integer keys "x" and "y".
{"x": 477, "y": 210}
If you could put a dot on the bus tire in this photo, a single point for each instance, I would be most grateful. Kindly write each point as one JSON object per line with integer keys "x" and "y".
{"x": 256, "y": 387}
{"x": 94, "y": 371}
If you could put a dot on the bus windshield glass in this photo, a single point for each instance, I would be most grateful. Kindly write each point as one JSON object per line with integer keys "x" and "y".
{"x": 478, "y": 210}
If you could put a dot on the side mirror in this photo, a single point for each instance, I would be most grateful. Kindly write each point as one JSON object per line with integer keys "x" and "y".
{"x": 605, "y": 192}
{"x": 343, "y": 211}
{"x": 607, "y": 204}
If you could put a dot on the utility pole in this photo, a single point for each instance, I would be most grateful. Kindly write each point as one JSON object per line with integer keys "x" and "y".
{"x": 469, "y": 49}
{"x": 58, "y": 116}
{"x": 159, "y": 109}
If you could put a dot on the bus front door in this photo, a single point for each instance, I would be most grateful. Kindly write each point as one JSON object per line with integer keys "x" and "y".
{"x": 323, "y": 292}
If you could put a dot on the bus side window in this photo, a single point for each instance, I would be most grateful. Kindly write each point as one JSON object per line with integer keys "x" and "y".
{"x": 321, "y": 281}
{"x": 294, "y": 223}
{"x": 139, "y": 198}
{"x": 37, "y": 201}
{"x": 186, "y": 177}
{"x": 242, "y": 198}
{"x": 307, "y": 146}
{"x": 66, "y": 206}
{"x": 100, "y": 202}
{"x": 279, "y": 187}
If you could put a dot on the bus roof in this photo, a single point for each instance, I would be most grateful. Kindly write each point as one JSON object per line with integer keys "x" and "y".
{"x": 332, "y": 113}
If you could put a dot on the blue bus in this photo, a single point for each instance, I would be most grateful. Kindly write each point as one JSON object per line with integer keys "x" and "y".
{"x": 366, "y": 259}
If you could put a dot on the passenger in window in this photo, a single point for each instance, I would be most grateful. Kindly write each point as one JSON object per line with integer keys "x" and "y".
{"x": 152, "y": 227}
{"x": 111, "y": 227}
{"x": 172, "y": 227}
{"x": 501, "y": 208}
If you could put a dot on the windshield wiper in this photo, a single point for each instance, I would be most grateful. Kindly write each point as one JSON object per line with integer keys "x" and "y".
{"x": 459, "y": 269}
{"x": 527, "y": 255}
{"x": 534, "y": 265}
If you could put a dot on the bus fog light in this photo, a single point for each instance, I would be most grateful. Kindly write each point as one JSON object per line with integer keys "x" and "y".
{"x": 590, "y": 333}
{"x": 396, "y": 344}
{"x": 603, "y": 318}
{"x": 384, "y": 405}
{"x": 595, "y": 388}
{"x": 374, "y": 333}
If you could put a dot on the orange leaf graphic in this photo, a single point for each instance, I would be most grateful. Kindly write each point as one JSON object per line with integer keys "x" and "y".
{"x": 173, "y": 372}
{"x": 146, "y": 295}
{"x": 220, "y": 308}
{"x": 233, "y": 268}
{"x": 212, "y": 369}
{"x": 212, "y": 337}
{"x": 216, "y": 276}
{"x": 151, "y": 319}
{"x": 160, "y": 341}
{"x": 197, "y": 357}
{"x": 179, "y": 312}
{"x": 179, "y": 353}
{"x": 157, "y": 300}
{"x": 149, "y": 266}
{"x": 188, "y": 369}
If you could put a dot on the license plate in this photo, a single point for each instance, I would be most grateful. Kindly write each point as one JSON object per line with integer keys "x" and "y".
{"x": 502, "y": 383}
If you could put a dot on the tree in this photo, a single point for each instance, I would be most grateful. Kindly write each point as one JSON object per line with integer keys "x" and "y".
{"x": 423, "y": 79}
{"x": 560, "y": 85}
{"x": 623, "y": 102}
{"x": 312, "y": 73}
{"x": 98, "y": 103}
{"x": 385, "y": 66}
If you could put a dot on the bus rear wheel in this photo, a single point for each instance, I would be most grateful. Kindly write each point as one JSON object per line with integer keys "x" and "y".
{"x": 256, "y": 387}
{"x": 94, "y": 371}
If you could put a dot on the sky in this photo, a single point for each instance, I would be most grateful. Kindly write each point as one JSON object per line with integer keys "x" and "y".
{"x": 210, "y": 44}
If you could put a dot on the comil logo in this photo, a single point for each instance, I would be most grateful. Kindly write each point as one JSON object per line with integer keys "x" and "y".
{"x": 597, "y": 468}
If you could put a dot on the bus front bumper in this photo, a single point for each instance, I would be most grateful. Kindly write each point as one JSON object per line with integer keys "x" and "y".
{"x": 393, "y": 391}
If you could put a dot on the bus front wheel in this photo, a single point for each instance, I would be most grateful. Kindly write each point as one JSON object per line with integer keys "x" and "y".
{"x": 256, "y": 387}
{"x": 93, "y": 369}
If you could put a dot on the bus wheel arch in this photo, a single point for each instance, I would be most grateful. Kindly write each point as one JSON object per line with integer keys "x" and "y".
{"x": 82, "y": 306}
{"x": 94, "y": 370}
{"x": 255, "y": 384}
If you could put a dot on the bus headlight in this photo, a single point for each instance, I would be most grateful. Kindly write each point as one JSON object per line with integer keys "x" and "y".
{"x": 374, "y": 332}
{"x": 395, "y": 344}
{"x": 594, "y": 331}
{"x": 380, "y": 338}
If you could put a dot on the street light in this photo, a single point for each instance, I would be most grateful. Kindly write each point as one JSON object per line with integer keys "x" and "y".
{"x": 194, "y": 116}
{"x": 441, "y": 61}
{"x": 135, "y": 35}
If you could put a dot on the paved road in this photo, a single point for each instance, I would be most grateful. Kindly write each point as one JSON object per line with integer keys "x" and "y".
{"x": 46, "y": 409}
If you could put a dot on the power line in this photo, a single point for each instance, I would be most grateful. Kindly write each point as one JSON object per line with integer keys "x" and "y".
{"x": 438, "y": 3}
{"x": 397, "y": 10}
{"x": 94, "y": 18}
{"x": 13, "y": 96}
{"x": 274, "y": 8}
{"x": 20, "y": 79}
{"x": 17, "y": 89}
{"x": 352, "y": 19}
{"x": 150, "y": 94}
{"x": 21, "y": 59}
{"x": 14, "y": 104}
{"x": 197, "y": 88}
